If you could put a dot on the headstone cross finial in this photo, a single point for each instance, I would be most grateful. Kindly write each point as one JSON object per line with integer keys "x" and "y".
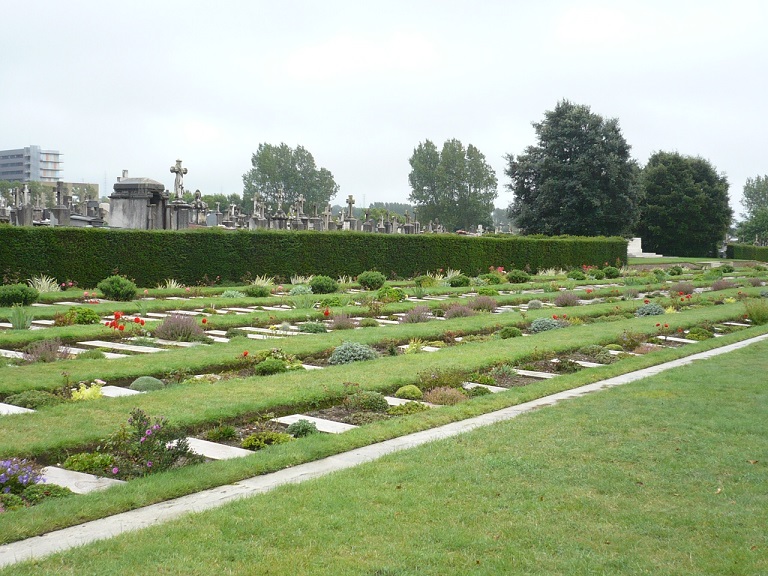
{"x": 178, "y": 183}
{"x": 350, "y": 203}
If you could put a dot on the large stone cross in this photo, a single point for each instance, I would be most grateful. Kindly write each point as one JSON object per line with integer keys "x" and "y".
{"x": 350, "y": 203}
{"x": 300, "y": 204}
{"x": 178, "y": 183}
{"x": 280, "y": 196}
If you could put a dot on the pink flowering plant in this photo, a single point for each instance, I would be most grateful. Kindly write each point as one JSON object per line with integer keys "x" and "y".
{"x": 144, "y": 446}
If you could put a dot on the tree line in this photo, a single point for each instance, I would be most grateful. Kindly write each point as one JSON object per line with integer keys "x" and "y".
{"x": 578, "y": 178}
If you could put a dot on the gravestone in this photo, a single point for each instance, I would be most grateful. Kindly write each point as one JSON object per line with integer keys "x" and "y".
{"x": 137, "y": 203}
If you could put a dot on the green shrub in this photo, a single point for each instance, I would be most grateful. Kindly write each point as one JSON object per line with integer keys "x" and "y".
{"x": 509, "y": 332}
{"x": 757, "y": 311}
{"x": 323, "y": 285}
{"x": 93, "y": 354}
{"x": 445, "y": 395}
{"x": 534, "y": 304}
{"x": 330, "y": 302}
{"x": 459, "y": 281}
{"x": 675, "y": 270}
{"x": 368, "y": 323}
{"x": 651, "y": 309}
{"x": 263, "y": 439}
{"x": 544, "y": 324}
{"x": 22, "y": 294}
{"x": 407, "y": 408}
{"x": 221, "y": 433}
{"x": 576, "y": 274}
{"x": 313, "y": 328}
{"x": 232, "y": 294}
{"x": 518, "y": 276}
{"x": 366, "y": 400}
{"x": 611, "y": 272}
{"x": 348, "y": 352}
{"x": 36, "y": 493}
{"x": 256, "y": 291}
{"x": 699, "y": 333}
{"x": 483, "y": 303}
{"x": 371, "y": 280}
{"x": 20, "y": 317}
{"x": 269, "y": 366}
{"x": 34, "y": 399}
{"x": 90, "y": 462}
{"x": 300, "y": 290}
{"x": 147, "y": 384}
{"x": 82, "y": 315}
{"x": 409, "y": 392}
{"x": 487, "y": 291}
{"x": 118, "y": 288}
{"x": 597, "y": 274}
{"x": 727, "y": 269}
{"x": 302, "y": 428}
{"x": 342, "y": 321}
{"x": 387, "y": 294}
{"x": 425, "y": 281}
{"x": 441, "y": 379}
{"x": 492, "y": 278}
{"x": 478, "y": 391}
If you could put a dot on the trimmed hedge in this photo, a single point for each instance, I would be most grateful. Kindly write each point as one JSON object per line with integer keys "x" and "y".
{"x": 89, "y": 255}
{"x": 747, "y": 252}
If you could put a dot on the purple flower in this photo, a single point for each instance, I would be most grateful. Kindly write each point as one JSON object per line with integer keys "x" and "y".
{"x": 149, "y": 464}
{"x": 115, "y": 470}
{"x": 149, "y": 432}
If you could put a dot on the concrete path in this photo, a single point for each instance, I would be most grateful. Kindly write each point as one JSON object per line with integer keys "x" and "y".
{"x": 40, "y": 546}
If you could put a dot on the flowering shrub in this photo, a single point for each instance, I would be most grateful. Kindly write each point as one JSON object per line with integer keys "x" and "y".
{"x": 342, "y": 321}
{"x": 445, "y": 395}
{"x": 48, "y": 350}
{"x": 681, "y": 288}
{"x": 145, "y": 446}
{"x": 484, "y": 303}
{"x": 17, "y": 474}
{"x": 458, "y": 311}
{"x": 180, "y": 328}
{"x": 567, "y": 299}
{"x": 415, "y": 315}
{"x": 87, "y": 392}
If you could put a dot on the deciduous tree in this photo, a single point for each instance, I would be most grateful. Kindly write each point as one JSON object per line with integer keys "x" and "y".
{"x": 754, "y": 227}
{"x": 455, "y": 186}
{"x": 578, "y": 179}
{"x": 684, "y": 211}
{"x": 293, "y": 170}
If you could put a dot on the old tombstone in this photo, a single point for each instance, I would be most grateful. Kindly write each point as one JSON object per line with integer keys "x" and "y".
{"x": 138, "y": 203}
{"x": 178, "y": 183}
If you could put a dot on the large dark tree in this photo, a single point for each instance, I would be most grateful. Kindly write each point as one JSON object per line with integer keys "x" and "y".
{"x": 294, "y": 171}
{"x": 578, "y": 179}
{"x": 456, "y": 186}
{"x": 754, "y": 227}
{"x": 684, "y": 211}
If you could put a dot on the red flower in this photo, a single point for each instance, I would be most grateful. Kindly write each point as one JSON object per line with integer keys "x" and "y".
{"x": 117, "y": 315}
{"x": 657, "y": 324}
{"x": 688, "y": 296}
{"x": 137, "y": 320}
{"x": 680, "y": 293}
{"x": 589, "y": 290}
{"x": 121, "y": 327}
{"x": 205, "y": 320}
{"x": 326, "y": 312}
{"x": 680, "y": 330}
{"x": 646, "y": 301}
{"x": 142, "y": 322}
{"x": 107, "y": 323}
{"x": 564, "y": 316}
{"x": 666, "y": 325}
{"x": 682, "y": 299}
{"x": 245, "y": 353}
{"x": 554, "y": 316}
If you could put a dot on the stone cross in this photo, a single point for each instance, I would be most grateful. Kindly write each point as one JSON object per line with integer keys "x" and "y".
{"x": 26, "y": 193}
{"x": 59, "y": 192}
{"x": 280, "y": 196}
{"x": 327, "y": 216}
{"x": 350, "y": 203}
{"x": 178, "y": 183}
{"x": 407, "y": 217}
{"x": 314, "y": 209}
{"x": 218, "y": 207}
{"x": 300, "y": 204}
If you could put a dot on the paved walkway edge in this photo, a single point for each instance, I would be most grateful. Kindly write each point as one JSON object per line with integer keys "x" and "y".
{"x": 40, "y": 546}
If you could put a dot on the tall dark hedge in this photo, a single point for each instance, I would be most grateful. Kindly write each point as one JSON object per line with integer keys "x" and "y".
{"x": 88, "y": 255}
{"x": 747, "y": 252}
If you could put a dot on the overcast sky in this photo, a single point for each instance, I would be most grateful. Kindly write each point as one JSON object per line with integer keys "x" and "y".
{"x": 136, "y": 85}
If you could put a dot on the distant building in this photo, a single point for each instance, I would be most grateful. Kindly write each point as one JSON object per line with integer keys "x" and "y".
{"x": 30, "y": 164}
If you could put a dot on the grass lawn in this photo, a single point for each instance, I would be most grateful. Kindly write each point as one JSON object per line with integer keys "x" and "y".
{"x": 663, "y": 476}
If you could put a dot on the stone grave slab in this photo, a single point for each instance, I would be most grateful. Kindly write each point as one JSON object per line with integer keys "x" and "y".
{"x": 494, "y": 389}
{"x": 186, "y": 312}
{"x": 216, "y": 451}
{"x": 11, "y": 354}
{"x": 404, "y": 347}
{"x": 41, "y": 305}
{"x": 322, "y": 424}
{"x": 118, "y": 392}
{"x": 240, "y": 310}
{"x": 181, "y": 298}
{"x": 173, "y": 343}
{"x": 120, "y": 346}
{"x": 743, "y": 324}
{"x": 78, "y": 482}
{"x": 535, "y": 374}
{"x": 311, "y": 367}
{"x": 269, "y": 332}
{"x": 678, "y": 340}
{"x": 582, "y": 363}
{"x": 262, "y": 337}
{"x": 156, "y": 315}
{"x": 46, "y": 323}
{"x": 6, "y": 409}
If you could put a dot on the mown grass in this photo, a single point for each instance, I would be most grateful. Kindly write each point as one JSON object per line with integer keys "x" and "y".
{"x": 662, "y": 476}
